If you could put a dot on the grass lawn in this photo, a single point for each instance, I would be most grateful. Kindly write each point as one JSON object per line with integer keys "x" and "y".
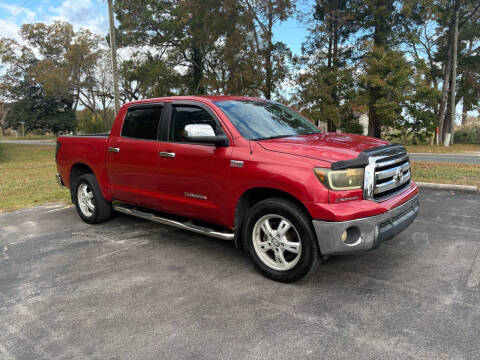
{"x": 446, "y": 173}
{"x": 27, "y": 177}
{"x": 452, "y": 149}
{"x": 29, "y": 137}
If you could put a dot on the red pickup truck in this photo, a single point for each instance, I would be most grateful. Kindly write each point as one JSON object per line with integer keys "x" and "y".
{"x": 243, "y": 169}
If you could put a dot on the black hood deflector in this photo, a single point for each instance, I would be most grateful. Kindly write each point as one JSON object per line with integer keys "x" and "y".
{"x": 362, "y": 159}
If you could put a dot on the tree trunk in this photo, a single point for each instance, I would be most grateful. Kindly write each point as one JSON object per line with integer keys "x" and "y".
{"x": 454, "y": 70}
{"x": 268, "y": 54}
{"x": 268, "y": 72}
{"x": 467, "y": 76}
{"x": 197, "y": 72}
{"x": 3, "y": 119}
{"x": 464, "y": 112}
{"x": 445, "y": 86}
{"x": 330, "y": 123}
{"x": 335, "y": 68}
{"x": 379, "y": 41}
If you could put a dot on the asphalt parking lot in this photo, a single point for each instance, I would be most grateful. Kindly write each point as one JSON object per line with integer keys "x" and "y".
{"x": 131, "y": 289}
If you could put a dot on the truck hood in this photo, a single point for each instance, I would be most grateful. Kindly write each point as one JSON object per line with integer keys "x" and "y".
{"x": 329, "y": 147}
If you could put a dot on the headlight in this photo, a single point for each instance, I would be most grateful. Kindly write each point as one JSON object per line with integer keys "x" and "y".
{"x": 348, "y": 179}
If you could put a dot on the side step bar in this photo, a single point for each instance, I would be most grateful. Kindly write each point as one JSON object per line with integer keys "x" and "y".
{"x": 180, "y": 225}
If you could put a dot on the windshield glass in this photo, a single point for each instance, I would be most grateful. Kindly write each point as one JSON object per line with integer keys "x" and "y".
{"x": 260, "y": 120}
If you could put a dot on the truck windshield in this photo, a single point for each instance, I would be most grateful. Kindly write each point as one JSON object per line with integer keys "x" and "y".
{"x": 261, "y": 120}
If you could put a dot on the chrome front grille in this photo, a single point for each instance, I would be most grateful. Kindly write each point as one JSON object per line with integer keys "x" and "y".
{"x": 387, "y": 174}
{"x": 391, "y": 176}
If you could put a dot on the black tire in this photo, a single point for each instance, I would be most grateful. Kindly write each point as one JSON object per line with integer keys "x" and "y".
{"x": 102, "y": 209}
{"x": 303, "y": 230}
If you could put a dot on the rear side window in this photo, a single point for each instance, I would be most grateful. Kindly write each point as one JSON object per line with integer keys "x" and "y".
{"x": 142, "y": 123}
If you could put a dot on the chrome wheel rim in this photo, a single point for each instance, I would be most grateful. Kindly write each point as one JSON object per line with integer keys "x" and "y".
{"x": 276, "y": 242}
{"x": 85, "y": 199}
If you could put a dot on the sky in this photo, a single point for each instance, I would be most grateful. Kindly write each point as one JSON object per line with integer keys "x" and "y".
{"x": 93, "y": 15}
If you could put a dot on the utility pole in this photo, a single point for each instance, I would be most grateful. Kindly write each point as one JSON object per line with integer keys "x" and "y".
{"x": 113, "y": 51}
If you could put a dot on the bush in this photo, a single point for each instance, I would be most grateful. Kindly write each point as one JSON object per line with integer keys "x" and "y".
{"x": 467, "y": 135}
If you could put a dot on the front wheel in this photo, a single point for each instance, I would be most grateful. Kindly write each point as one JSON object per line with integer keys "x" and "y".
{"x": 280, "y": 240}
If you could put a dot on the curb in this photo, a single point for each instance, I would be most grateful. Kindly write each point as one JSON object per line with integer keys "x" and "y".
{"x": 449, "y": 154}
{"x": 466, "y": 188}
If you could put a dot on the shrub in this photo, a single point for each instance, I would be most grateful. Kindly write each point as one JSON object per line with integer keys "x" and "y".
{"x": 467, "y": 135}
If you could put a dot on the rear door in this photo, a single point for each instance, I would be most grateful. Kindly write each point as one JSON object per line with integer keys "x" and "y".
{"x": 133, "y": 159}
{"x": 197, "y": 175}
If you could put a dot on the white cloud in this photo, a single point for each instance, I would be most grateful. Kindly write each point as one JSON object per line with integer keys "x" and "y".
{"x": 87, "y": 14}
{"x": 82, "y": 14}
{"x": 9, "y": 30}
{"x": 14, "y": 15}
{"x": 15, "y": 11}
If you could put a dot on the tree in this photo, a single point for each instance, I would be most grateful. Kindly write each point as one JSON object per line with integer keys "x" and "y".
{"x": 385, "y": 71}
{"x": 274, "y": 54}
{"x": 451, "y": 16}
{"x": 182, "y": 33}
{"x": 66, "y": 57}
{"x": 43, "y": 80}
{"x": 326, "y": 69}
{"x": 96, "y": 94}
{"x": 235, "y": 66}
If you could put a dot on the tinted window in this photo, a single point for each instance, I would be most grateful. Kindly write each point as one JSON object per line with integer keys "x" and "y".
{"x": 186, "y": 115}
{"x": 257, "y": 120}
{"x": 142, "y": 123}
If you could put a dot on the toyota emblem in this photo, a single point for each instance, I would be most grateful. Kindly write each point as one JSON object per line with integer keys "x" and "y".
{"x": 398, "y": 177}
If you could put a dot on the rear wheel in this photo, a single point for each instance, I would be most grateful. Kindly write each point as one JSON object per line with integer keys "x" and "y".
{"x": 89, "y": 201}
{"x": 280, "y": 240}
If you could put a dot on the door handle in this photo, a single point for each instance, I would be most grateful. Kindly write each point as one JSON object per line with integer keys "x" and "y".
{"x": 167, "y": 154}
{"x": 113, "y": 149}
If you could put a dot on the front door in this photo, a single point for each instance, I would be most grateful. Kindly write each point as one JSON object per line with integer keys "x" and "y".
{"x": 197, "y": 174}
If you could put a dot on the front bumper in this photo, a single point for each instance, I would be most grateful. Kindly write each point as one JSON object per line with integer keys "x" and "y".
{"x": 365, "y": 233}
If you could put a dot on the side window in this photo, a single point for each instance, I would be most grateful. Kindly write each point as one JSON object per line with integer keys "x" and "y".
{"x": 186, "y": 115}
{"x": 142, "y": 123}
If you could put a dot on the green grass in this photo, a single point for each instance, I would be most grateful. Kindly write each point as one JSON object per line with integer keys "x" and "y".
{"x": 29, "y": 137}
{"x": 27, "y": 177}
{"x": 452, "y": 149}
{"x": 446, "y": 173}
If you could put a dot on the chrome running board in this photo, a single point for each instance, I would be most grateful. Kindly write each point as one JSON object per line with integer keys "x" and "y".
{"x": 178, "y": 224}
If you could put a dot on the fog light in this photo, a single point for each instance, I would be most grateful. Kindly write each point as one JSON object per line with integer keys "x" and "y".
{"x": 352, "y": 236}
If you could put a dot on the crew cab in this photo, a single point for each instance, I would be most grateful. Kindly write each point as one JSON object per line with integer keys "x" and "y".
{"x": 243, "y": 169}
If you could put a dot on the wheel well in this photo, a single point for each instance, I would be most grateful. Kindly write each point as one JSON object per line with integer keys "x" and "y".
{"x": 78, "y": 170}
{"x": 251, "y": 197}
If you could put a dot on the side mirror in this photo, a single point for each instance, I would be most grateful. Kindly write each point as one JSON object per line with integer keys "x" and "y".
{"x": 204, "y": 134}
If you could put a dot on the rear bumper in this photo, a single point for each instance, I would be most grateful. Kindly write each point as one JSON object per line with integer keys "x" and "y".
{"x": 59, "y": 180}
{"x": 365, "y": 233}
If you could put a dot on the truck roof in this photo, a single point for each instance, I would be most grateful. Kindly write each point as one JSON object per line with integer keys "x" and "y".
{"x": 210, "y": 98}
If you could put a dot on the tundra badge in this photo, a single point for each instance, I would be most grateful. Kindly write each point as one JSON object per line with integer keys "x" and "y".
{"x": 195, "y": 196}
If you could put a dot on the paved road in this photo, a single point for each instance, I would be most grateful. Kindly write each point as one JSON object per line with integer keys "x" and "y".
{"x": 29, "y": 142}
{"x": 452, "y": 158}
{"x": 131, "y": 289}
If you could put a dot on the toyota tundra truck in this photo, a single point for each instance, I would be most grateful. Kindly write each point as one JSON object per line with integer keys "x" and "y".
{"x": 243, "y": 169}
